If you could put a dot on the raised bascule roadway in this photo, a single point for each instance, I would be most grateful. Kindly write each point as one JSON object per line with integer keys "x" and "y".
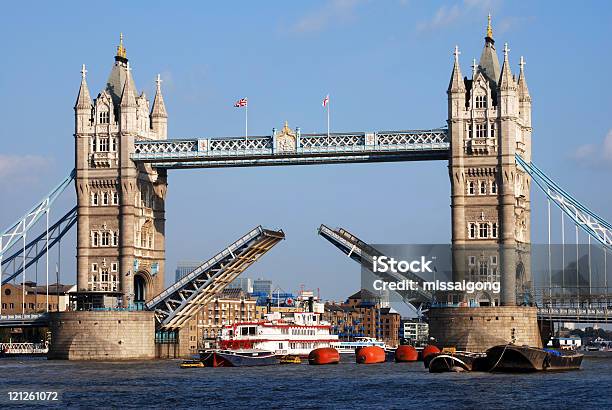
{"x": 123, "y": 157}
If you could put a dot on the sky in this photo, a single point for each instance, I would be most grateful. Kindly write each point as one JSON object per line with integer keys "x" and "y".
{"x": 386, "y": 65}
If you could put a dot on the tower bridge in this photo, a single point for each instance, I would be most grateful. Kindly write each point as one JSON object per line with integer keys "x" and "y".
{"x": 122, "y": 158}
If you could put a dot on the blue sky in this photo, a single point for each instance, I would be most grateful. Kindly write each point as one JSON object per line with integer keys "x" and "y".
{"x": 386, "y": 65}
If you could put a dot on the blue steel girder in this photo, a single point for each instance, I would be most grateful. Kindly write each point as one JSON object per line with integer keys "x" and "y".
{"x": 11, "y": 235}
{"x": 214, "y": 152}
{"x": 591, "y": 223}
{"x": 37, "y": 248}
{"x": 363, "y": 253}
{"x": 181, "y": 301}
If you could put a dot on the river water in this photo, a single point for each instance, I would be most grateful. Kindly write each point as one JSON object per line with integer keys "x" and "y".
{"x": 162, "y": 384}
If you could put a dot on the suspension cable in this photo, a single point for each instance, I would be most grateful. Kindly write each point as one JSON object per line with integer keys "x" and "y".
{"x": 549, "y": 255}
{"x": 577, "y": 270}
{"x": 47, "y": 260}
{"x": 563, "y": 251}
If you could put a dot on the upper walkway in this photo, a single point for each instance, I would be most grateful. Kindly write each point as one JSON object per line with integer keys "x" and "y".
{"x": 294, "y": 148}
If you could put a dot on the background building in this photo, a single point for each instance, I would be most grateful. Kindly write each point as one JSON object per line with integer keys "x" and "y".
{"x": 183, "y": 268}
{"x": 262, "y": 286}
{"x": 229, "y": 307}
{"x": 362, "y": 316}
{"x": 413, "y": 331}
{"x": 35, "y": 299}
{"x": 244, "y": 284}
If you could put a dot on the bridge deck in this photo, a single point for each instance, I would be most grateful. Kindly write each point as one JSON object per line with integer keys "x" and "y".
{"x": 303, "y": 149}
{"x": 177, "y": 304}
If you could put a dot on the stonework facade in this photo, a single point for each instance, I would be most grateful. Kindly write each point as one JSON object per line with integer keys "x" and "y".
{"x": 94, "y": 335}
{"x": 121, "y": 214}
{"x": 489, "y": 122}
{"x": 476, "y": 330}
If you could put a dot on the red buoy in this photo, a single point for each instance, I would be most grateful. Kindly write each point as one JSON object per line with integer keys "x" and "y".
{"x": 406, "y": 353}
{"x": 370, "y": 355}
{"x": 429, "y": 349}
{"x": 324, "y": 355}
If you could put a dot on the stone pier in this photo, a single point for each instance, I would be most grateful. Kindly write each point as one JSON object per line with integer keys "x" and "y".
{"x": 477, "y": 329}
{"x": 102, "y": 335}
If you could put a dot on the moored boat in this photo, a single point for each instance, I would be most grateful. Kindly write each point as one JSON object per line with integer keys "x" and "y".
{"x": 189, "y": 364}
{"x": 294, "y": 333}
{"x": 512, "y": 358}
{"x": 238, "y": 358}
{"x": 457, "y": 362}
{"x": 290, "y": 359}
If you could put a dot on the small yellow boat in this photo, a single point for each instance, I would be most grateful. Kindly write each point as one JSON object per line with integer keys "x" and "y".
{"x": 188, "y": 364}
{"x": 290, "y": 359}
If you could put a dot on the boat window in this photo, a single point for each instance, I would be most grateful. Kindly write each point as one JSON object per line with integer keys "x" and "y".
{"x": 252, "y": 330}
{"x": 244, "y": 331}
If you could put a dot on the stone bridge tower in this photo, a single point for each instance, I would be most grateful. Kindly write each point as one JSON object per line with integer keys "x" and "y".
{"x": 120, "y": 228}
{"x": 489, "y": 122}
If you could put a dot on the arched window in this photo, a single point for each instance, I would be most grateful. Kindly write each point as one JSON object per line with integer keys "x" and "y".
{"x": 472, "y": 231}
{"x": 494, "y": 230}
{"x": 94, "y": 199}
{"x": 95, "y": 239}
{"x": 115, "y": 198}
{"x": 104, "y": 116}
{"x": 105, "y": 198}
{"x": 493, "y": 187}
{"x": 484, "y": 230}
{"x": 115, "y": 238}
{"x": 105, "y": 238}
{"x": 471, "y": 188}
{"x": 483, "y": 188}
{"x": 481, "y": 101}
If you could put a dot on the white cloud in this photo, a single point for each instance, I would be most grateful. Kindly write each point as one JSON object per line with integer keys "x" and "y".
{"x": 595, "y": 154}
{"x": 447, "y": 15}
{"x": 334, "y": 10}
{"x": 22, "y": 168}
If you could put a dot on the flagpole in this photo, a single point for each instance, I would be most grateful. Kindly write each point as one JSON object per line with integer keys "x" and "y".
{"x": 246, "y": 120}
{"x": 328, "y": 103}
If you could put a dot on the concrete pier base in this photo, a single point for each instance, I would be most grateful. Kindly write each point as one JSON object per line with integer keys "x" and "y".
{"x": 477, "y": 329}
{"x": 92, "y": 335}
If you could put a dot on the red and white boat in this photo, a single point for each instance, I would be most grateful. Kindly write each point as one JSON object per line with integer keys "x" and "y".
{"x": 295, "y": 333}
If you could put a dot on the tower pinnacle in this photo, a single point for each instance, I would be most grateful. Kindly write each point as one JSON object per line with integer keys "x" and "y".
{"x": 456, "y": 82}
{"x": 159, "y": 108}
{"x": 121, "y": 52}
{"x": 128, "y": 99}
{"x": 489, "y": 28}
{"x": 522, "y": 83}
{"x": 83, "y": 99}
{"x": 506, "y": 81}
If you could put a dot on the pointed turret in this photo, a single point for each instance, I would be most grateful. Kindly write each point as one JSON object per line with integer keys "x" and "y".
{"x": 159, "y": 116}
{"x": 128, "y": 107}
{"x": 116, "y": 80}
{"x": 159, "y": 108}
{"x": 456, "y": 82}
{"x": 522, "y": 83}
{"x": 489, "y": 63}
{"x": 83, "y": 99}
{"x": 506, "y": 80}
{"x": 128, "y": 99}
{"x": 83, "y": 106}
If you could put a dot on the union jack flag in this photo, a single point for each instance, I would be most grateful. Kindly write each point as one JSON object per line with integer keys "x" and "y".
{"x": 241, "y": 103}
{"x": 326, "y": 100}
